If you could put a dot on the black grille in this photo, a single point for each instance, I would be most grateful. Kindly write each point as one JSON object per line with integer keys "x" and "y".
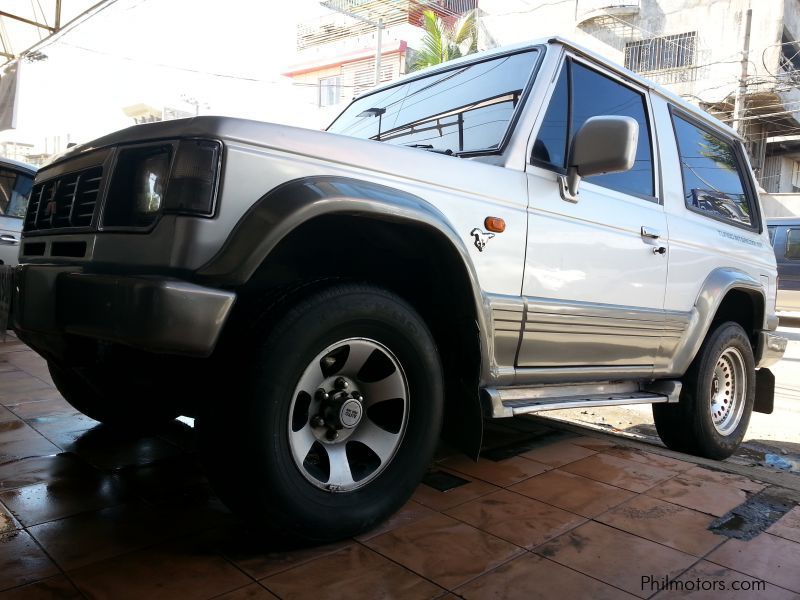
{"x": 67, "y": 202}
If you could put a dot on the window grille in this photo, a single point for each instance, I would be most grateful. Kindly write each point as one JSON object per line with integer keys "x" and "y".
{"x": 662, "y": 53}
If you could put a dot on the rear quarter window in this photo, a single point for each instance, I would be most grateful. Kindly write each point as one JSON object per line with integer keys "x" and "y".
{"x": 713, "y": 175}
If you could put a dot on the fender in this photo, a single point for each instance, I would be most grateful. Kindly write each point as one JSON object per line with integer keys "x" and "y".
{"x": 714, "y": 289}
{"x": 276, "y": 214}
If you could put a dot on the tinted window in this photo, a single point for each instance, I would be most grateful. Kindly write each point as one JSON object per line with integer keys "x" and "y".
{"x": 712, "y": 180}
{"x": 550, "y": 146}
{"x": 793, "y": 244}
{"x": 464, "y": 109}
{"x": 594, "y": 95}
{"x": 15, "y": 189}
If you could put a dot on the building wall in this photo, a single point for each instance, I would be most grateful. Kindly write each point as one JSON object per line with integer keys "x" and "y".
{"x": 718, "y": 23}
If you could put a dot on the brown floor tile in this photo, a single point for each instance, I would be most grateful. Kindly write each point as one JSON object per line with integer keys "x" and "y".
{"x": 248, "y": 553}
{"x": 626, "y": 474}
{"x": 615, "y": 557}
{"x": 16, "y": 430}
{"x": 440, "y": 501}
{"x": 91, "y": 537}
{"x": 706, "y": 496}
{"x": 412, "y": 511}
{"x": 42, "y": 408}
{"x": 254, "y": 591}
{"x": 720, "y": 583}
{"x": 737, "y": 481}
{"x": 650, "y": 458}
{"x": 22, "y": 561}
{"x": 595, "y": 443}
{"x": 573, "y": 493}
{"x": 12, "y": 399}
{"x": 16, "y": 382}
{"x": 61, "y": 498}
{"x": 665, "y": 523}
{"x": 360, "y": 573}
{"x": 443, "y": 550}
{"x": 766, "y": 556}
{"x": 558, "y": 453}
{"x": 6, "y": 415}
{"x": 7, "y": 521}
{"x": 29, "y": 471}
{"x": 503, "y": 472}
{"x": 788, "y": 526}
{"x": 174, "y": 570}
{"x": 532, "y": 577}
{"x": 516, "y": 518}
{"x": 26, "y": 448}
{"x": 55, "y": 587}
{"x": 54, "y": 427}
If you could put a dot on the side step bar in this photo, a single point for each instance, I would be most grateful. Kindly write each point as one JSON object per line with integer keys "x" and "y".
{"x": 509, "y": 402}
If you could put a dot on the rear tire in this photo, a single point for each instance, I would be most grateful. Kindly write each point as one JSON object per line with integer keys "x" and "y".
{"x": 108, "y": 399}
{"x": 716, "y": 399}
{"x": 267, "y": 448}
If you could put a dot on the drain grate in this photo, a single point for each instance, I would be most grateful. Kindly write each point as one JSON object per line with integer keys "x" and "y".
{"x": 749, "y": 519}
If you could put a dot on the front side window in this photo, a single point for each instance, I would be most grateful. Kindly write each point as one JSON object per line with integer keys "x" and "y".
{"x": 465, "y": 109}
{"x": 793, "y": 244}
{"x": 15, "y": 190}
{"x": 713, "y": 182}
{"x": 771, "y": 231}
{"x": 592, "y": 95}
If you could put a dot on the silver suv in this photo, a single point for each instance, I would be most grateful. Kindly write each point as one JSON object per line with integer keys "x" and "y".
{"x": 524, "y": 229}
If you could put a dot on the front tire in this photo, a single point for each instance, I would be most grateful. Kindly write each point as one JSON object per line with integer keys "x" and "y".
{"x": 717, "y": 397}
{"x": 336, "y": 420}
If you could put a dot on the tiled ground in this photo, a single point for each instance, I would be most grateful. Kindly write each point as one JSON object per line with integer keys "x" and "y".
{"x": 85, "y": 511}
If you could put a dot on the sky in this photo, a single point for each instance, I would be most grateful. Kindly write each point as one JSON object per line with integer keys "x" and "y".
{"x": 228, "y": 55}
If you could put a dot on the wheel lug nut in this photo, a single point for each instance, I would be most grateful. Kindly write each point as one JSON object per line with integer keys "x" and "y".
{"x": 357, "y": 395}
{"x": 340, "y": 383}
{"x": 331, "y": 435}
{"x": 317, "y": 421}
{"x": 321, "y": 395}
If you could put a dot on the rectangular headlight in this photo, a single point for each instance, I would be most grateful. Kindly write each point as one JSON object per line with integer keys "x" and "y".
{"x": 138, "y": 186}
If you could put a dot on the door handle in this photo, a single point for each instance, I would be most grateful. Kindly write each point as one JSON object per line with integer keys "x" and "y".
{"x": 650, "y": 233}
{"x": 9, "y": 239}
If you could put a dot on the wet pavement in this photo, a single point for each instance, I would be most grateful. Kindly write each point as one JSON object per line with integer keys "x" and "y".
{"x": 548, "y": 511}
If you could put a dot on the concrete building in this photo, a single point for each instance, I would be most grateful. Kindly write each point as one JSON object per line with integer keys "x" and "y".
{"x": 694, "y": 48}
{"x": 336, "y": 52}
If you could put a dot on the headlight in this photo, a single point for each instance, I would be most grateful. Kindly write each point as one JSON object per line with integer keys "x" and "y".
{"x": 171, "y": 177}
{"x": 138, "y": 186}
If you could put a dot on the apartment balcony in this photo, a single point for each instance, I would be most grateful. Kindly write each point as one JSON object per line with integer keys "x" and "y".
{"x": 352, "y": 18}
{"x": 591, "y": 10}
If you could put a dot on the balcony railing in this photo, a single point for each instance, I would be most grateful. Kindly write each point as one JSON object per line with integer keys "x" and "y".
{"x": 593, "y": 9}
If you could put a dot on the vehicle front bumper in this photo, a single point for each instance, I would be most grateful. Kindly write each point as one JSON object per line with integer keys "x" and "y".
{"x": 153, "y": 313}
{"x": 769, "y": 349}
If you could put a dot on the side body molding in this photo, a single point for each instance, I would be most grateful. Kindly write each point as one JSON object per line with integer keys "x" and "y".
{"x": 276, "y": 214}
{"x": 718, "y": 283}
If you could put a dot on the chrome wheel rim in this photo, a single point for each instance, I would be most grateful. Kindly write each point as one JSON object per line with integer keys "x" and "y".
{"x": 348, "y": 414}
{"x": 728, "y": 390}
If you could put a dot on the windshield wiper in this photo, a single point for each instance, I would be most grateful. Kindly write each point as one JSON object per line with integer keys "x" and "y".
{"x": 429, "y": 147}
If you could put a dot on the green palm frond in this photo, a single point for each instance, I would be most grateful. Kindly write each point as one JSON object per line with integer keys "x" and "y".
{"x": 443, "y": 42}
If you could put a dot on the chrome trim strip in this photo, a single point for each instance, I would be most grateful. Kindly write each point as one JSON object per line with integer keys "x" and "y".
{"x": 509, "y": 402}
{"x": 541, "y": 375}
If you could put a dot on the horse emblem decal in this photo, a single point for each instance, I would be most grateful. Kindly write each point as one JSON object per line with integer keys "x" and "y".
{"x": 481, "y": 237}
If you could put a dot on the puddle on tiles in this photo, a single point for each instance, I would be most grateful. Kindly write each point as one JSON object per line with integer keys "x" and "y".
{"x": 752, "y": 517}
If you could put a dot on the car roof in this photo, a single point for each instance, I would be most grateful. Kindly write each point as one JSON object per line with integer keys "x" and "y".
{"x": 8, "y": 162}
{"x": 578, "y": 49}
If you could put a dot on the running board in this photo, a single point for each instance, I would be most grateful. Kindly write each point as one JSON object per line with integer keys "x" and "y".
{"x": 509, "y": 402}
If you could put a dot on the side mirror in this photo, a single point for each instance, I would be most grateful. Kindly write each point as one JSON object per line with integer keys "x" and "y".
{"x": 605, "y": 144}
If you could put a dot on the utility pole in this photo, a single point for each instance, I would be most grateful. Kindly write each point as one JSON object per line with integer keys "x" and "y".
{"x": 379, "y": 25}
{"x": 739, "y": 102}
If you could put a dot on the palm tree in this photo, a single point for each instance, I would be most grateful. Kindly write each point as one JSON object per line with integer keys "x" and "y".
{"x": 445, "y": 42}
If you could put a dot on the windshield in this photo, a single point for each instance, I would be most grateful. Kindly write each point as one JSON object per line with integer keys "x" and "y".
{"x": 466, "y": 109}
